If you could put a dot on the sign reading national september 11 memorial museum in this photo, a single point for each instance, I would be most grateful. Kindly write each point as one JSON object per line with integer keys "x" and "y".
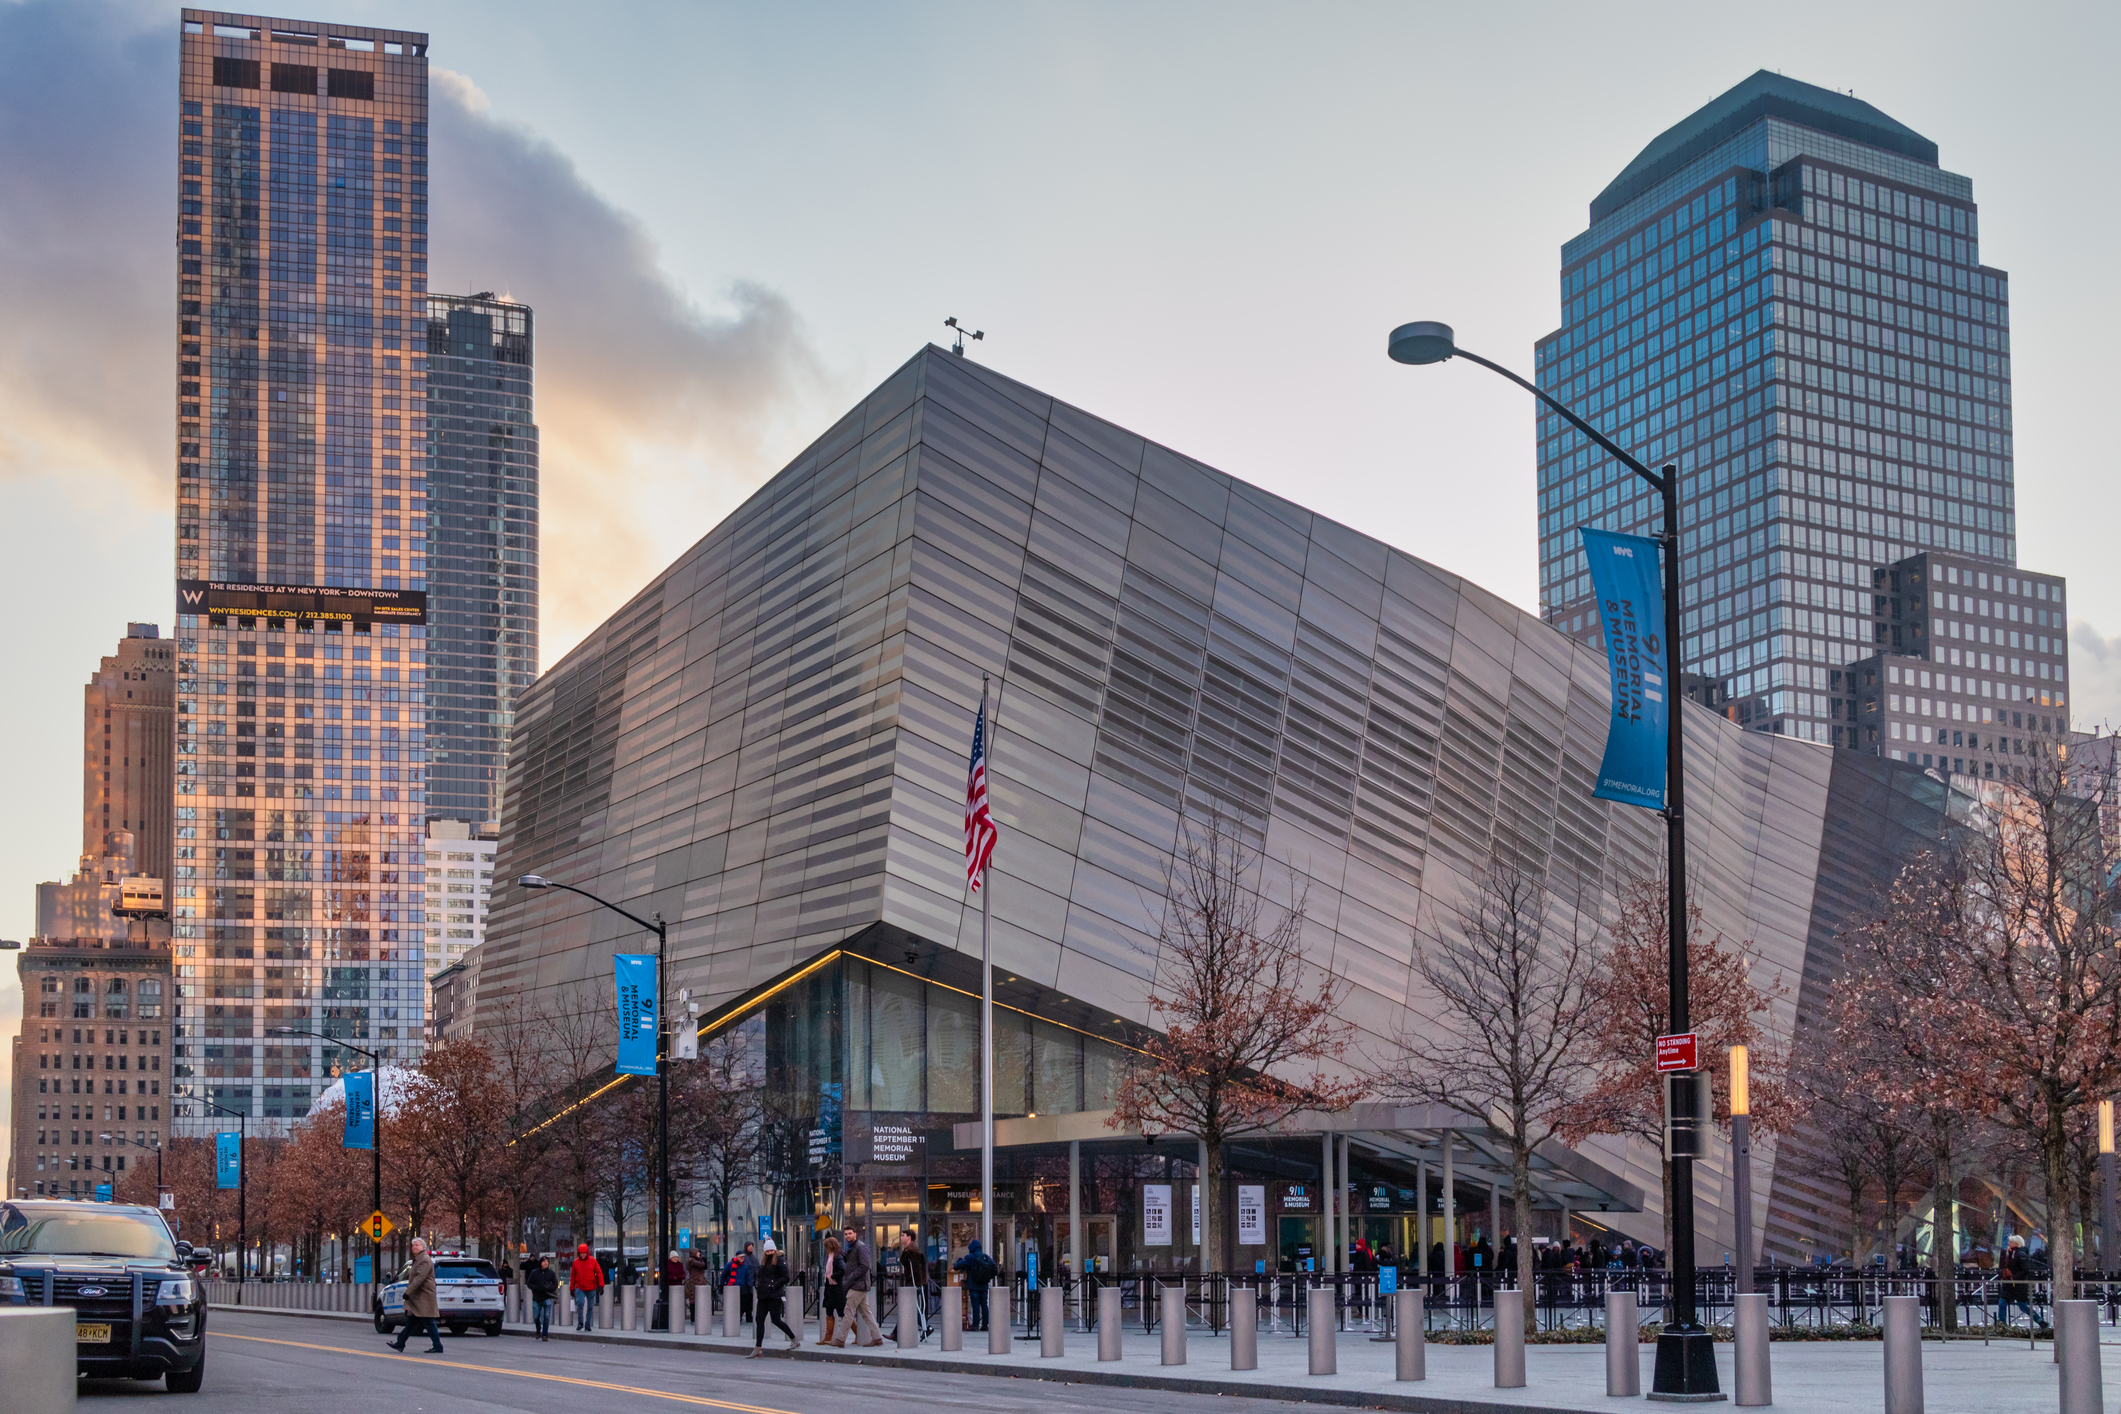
{"x": 1624, "y": 575}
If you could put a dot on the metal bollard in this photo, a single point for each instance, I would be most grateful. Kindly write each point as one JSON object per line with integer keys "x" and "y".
{"x": 909, "y": 1317}
{"x": 2077, "y": 1351}
{"x": 953, "y": 1318}
{"x": 1410, "y": 1338}
{"x": 732, "y": 1314}
{"x": 1171, "y": 1317}
{"x": 1509, "y": 1339}
{"x": 1108, "y": 1319}
{"x": 1052, "y": 1323}
{"x": 998, "y": 1331}
{"x": 1903, "y": 1355}
{"x": 1325, "y": 1343}
{"x": 1749, "y": 1322}
{"x": 1623, "y": 1345}
{"x": 1244, "y": 1329}
{"x": 37, "y": 1351}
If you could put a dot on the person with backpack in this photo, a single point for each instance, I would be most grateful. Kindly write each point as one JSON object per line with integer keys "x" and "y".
{"x": 768, "y": 1286}
{"x": 979, "y": 1271}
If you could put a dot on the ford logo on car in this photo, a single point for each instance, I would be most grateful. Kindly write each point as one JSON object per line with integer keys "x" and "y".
{"x": 93, "y": 1291}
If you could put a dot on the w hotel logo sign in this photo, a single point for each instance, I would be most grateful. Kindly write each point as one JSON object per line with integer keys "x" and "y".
{"x": 302, "y": 601}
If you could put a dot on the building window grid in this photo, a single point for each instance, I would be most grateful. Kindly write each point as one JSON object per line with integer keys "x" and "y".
{"x": 324, "y": 273}
{"x": 1739, "y": 337}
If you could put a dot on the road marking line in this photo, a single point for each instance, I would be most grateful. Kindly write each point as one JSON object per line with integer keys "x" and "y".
{"x": 524, "y": 1374}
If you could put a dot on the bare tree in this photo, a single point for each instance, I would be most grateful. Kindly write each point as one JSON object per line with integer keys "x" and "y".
{"x": 1632, "y": 1000}
{"x": 719, "y": 1140}
{"x": 1516, "y": 991}
{"x": 1246, "y": 1028}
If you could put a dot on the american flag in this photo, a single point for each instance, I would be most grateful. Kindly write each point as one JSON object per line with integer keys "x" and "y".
{"x": 980, "y": 833}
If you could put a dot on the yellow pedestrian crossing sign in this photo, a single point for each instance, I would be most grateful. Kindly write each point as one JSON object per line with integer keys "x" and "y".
{"x": 377, "y": 1227}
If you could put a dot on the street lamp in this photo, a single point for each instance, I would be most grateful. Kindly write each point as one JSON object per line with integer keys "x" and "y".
{"x": 1686, "y": 1354}
{"x": 191, "y": 1094}
{"x": 375, "y": 1138}
{"x": 661, "y": 1319}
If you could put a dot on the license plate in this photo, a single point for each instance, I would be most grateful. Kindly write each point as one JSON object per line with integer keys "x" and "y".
{"x": 87, "y": 1334}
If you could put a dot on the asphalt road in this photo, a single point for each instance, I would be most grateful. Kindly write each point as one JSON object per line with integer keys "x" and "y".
{"x": 266, "y": 1364}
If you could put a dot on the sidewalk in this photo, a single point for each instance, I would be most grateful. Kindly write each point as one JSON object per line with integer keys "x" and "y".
{"x": 1829, "y": 1377}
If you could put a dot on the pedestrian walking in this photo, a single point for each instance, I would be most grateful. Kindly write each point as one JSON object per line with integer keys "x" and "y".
{"x": 913, "y": 1282}
{"x": 832, "y": 1292}
{"x": 544, "y": 1285}
{"x": 2015, "y": 1282}
{"x": 979, "y": 1271}
{"x": 421, "y": 1308}
{"x": 860, "y": 1279}
{"x": 585, "y": 1278}
{"x": 768, "y": 1288}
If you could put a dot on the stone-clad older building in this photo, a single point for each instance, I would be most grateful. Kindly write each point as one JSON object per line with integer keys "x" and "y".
{"x": 767, "y": 746}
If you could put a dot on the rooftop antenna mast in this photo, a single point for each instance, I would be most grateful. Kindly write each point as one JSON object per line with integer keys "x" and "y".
{"x": 959, "y": 347}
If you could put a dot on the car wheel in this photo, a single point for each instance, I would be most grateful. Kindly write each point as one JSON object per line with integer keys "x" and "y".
{"x": 186, "y": 1381}
{"x": 382, "y": 1326}
{"x": 493, "y": 1328}
{"x": 456, "y": 1329}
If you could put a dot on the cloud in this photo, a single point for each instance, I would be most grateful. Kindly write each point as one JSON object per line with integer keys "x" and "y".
{"x": 656, "y": 415}
{"x": 87, "y": 248}
{"x": 2095, "y": 664}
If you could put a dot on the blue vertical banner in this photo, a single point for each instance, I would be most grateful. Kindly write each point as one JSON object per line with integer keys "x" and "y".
{"x": 634, "y": 973}
{"x": 228, "y": 1160}
{"x": 1626, "y": 577}
{"x": 360, "y": 1111}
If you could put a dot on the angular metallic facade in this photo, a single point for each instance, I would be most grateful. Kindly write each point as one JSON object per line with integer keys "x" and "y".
{"x": 767, "y": 746}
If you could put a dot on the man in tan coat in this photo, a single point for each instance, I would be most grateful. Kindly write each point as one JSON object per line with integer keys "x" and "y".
{"x": 421, "y": 1307}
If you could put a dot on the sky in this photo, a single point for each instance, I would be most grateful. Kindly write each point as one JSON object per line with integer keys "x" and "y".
{"x": 1197, "y": 220}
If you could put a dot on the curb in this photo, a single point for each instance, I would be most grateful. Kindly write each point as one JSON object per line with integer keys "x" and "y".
{"x": 1111, "y": 1379}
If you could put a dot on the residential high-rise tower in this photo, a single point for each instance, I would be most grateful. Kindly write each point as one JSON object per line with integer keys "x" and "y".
{"x": 1784, "y": 296}
{"x": 482, "y": 547}
{"x": 301, "y": 553}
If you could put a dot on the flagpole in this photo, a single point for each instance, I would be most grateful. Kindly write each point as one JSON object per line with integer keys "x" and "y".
{"x": 986, "y": 1022}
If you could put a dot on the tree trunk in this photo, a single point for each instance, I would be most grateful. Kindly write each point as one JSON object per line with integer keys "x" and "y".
{"x": 1521, "y": 1201}
{"x": 1944, "y": 1225}
{"x": 2061, "y": 1240}
{"x": 1212, "y": 1230}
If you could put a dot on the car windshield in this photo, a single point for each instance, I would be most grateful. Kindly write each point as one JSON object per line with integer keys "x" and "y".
{"x": 450, "y": 1270}
{"x": 82, "y": 1231}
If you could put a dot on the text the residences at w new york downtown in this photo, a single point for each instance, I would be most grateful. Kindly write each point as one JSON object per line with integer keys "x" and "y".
{"x": 301, "y": 539}
{"x": 1784, "y": 296}
{"x": 767, "y": 746}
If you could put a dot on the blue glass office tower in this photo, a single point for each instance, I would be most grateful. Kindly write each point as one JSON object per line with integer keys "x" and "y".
{"x": 1784, "y": 296}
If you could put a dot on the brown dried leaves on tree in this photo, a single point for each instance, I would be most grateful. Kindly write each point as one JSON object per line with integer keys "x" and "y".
{"x": 1246, "y": 1033}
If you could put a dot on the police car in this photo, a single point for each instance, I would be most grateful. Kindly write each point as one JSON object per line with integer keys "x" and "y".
{"x": 467, "y": 1293}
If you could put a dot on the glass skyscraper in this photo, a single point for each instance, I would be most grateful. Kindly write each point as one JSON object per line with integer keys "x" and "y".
{"x": 301, "y": 554}
{"x": 482, "y": 547}
{"x": 1784, "y": 296}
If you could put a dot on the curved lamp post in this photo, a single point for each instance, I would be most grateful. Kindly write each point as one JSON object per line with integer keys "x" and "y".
{"x": 661, "y": 1319}
{"x": 1686, "y": 1354}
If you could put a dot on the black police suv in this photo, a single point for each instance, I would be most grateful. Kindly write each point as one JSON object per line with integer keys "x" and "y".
{"x": 139, "y": 1307}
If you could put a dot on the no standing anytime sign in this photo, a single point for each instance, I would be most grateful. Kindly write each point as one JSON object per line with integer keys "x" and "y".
{"x": 1681, "y": 1052}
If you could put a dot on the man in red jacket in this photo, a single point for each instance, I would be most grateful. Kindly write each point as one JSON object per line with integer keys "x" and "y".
{"x": 585, "y": 1279}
